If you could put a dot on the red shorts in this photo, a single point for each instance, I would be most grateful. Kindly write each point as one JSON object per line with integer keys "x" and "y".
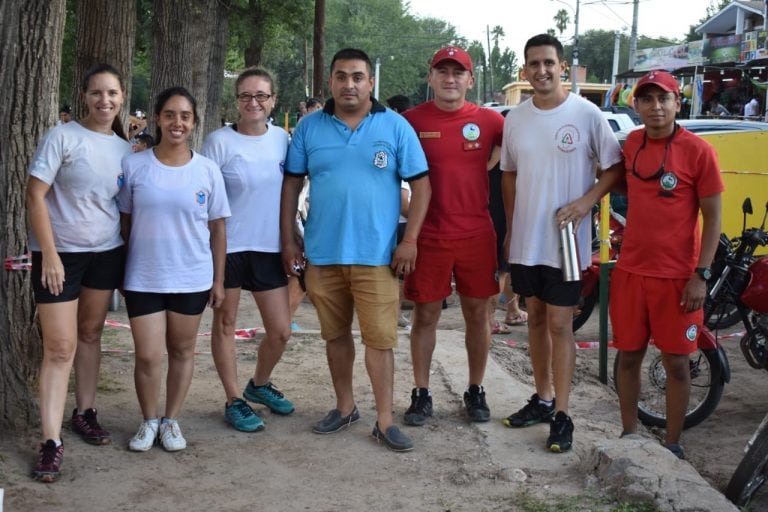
{"x": 471, "y": 261}
{"x": 642, "y": 307}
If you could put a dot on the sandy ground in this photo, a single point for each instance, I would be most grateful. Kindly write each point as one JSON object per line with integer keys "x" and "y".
{"x": 455, "y": 466}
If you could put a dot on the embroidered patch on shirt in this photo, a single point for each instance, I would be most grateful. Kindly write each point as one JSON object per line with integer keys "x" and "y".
{"x": 429, "y": 135}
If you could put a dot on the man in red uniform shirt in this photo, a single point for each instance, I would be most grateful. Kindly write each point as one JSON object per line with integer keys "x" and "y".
{"x": 660, "y": 281}
{"x": 457, "y": 238}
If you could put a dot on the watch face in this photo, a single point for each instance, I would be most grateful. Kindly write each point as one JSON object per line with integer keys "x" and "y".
{"x": 705, "y": 273}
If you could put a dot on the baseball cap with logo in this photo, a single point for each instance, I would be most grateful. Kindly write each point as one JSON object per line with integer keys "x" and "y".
{"x": 661, "y": 79}
{"x": 455, "y": 54}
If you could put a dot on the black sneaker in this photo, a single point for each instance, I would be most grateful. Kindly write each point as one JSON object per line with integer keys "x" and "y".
{"x": 420, "y": 409}
{"x": 560, "y": 433}
{"x": 474, "y": 402}
{"x": 532, "y": 413}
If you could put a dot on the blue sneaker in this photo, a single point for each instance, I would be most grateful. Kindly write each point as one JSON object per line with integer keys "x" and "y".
{"x": 241, "y": 416}
{"x": 270, "y": 396}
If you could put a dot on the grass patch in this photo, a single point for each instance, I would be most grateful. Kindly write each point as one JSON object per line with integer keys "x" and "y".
{"x": 524, "y": 501}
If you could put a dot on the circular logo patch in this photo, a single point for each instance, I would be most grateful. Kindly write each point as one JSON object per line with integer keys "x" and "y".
{"x": 567, "y": 138}
{"x": 668, "y": 181}
{"x": 471, "y": 131}
{"x": 691, "y": 333}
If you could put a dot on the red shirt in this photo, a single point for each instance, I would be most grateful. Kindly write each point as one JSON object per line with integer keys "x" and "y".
{"x": 662, "y": 237}
{"x": 458, "y": 145}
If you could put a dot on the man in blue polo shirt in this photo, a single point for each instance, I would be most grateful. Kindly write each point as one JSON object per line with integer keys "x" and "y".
{"x": 355, "y": 152}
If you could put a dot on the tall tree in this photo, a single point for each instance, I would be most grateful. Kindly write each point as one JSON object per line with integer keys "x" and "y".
{"x": 561, "y": 20}
{"x": 106, "y": 32}
{"x": 219, "y": 28}
{"x": 182, "y": 38}
{"x": 31, "y": 34}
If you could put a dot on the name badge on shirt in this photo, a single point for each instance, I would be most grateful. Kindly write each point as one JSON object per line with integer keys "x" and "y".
{"x": 429, "y": 135}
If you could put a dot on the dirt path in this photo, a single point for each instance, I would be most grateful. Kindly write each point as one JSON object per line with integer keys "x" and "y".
{"x": 455, "y": 466}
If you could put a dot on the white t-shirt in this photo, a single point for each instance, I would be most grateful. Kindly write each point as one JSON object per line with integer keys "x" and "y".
{"x": 556, "y": 154}
{"x": 82, "y": 168}
{"x": 751, "y": 109}
{"x": 405, "y": 186}
{"x": 252, "y": 167}
{"x": 169, "y": 250}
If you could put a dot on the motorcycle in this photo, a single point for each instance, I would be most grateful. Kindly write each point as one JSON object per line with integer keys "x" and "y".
{"x": 740, "y": 282}
{"x": 752, "y": 471}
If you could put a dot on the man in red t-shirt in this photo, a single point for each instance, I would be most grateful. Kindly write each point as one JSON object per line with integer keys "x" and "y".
{"x": 457, "y": 238}
{"x": 660, "y": 281}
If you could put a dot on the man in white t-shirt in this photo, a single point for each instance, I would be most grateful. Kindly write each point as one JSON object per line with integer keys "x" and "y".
{"x": 752, "y": 108}
{"x": 553, "y": 145}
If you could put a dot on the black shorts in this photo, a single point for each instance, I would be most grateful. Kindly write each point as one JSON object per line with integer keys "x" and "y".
{"x": 97, "y": 270}
{"x": 146, "y": 303}
{"x": 545, "y": 283}
{"x": 255, "y": 271}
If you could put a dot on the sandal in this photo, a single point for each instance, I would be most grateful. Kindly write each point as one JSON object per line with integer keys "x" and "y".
{"x": 500, "y": 328}
{"x": 519, "y": 318}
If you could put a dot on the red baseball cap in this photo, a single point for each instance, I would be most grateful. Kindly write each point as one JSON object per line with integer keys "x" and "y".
{"x": 455, "y": 54}
{"x": 658, "y": 78}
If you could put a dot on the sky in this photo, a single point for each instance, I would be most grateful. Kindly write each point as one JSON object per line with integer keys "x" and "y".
{"x": 521, "y": 19}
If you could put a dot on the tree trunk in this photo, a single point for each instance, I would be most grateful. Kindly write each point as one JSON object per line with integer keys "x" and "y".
{"x": 106, "y": 33}
{"x": 219, "y": 37}
{"x": 181, "y": 49}
{"x": 318, "y": 48}
{"x": 255, "y": 14}
{"x": 31, "y": 34}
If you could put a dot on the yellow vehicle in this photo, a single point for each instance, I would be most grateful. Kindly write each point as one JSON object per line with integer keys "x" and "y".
{"x": 742, "y": 150}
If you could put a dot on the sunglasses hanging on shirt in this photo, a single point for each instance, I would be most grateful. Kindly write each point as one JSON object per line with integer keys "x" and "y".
{"x": 667, "y": 179}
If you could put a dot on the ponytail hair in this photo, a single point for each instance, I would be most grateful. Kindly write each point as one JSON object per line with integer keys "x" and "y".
{"x": 97, "y": 69}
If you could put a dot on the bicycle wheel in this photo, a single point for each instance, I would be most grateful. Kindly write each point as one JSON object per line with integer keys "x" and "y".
{"x": 752, "y": 471}
{"x": 706, "y": 388}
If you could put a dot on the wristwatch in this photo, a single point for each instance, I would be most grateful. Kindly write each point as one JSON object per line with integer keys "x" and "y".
{"x": 704, "y": 272}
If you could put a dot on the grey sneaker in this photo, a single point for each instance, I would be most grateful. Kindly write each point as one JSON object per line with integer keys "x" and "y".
{"x": 393, "y": 438}
{"x": 333, "y": 422}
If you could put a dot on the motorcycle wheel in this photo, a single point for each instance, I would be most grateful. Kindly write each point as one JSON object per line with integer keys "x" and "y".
{"x": 752, "y": 471}
{"x": 723, "y": 317}
{"x": 706, "y": 388}
{"x": 583, "y": 310}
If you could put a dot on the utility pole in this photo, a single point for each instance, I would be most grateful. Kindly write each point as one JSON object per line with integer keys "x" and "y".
{"x": 575, "y": 63}
{"x": 633, "y": 36}
{"x": 616, "y": 45}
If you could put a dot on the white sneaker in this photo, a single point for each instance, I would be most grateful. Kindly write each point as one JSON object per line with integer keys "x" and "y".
{"x": 170, "y": 436}
{"x": 146, "y": 437}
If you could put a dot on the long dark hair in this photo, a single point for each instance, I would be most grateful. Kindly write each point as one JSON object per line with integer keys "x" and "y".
{"x": 163, "y": 98}
{"x": 97, "y": 69}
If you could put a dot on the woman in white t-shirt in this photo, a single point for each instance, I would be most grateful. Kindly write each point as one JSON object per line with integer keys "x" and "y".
{"x": 173, "y": 205}
{"x": 250, "y": 154}
{"x": 77, "y": 257}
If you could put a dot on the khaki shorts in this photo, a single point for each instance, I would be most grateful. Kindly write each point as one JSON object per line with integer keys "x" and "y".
{"x": 337, "y": 291}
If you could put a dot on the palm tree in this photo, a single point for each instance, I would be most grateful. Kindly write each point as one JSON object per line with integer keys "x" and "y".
{"x": 561, "y": 21}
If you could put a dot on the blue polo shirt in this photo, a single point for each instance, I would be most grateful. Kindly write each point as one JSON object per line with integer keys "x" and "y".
{"x": 355, "y": 183}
